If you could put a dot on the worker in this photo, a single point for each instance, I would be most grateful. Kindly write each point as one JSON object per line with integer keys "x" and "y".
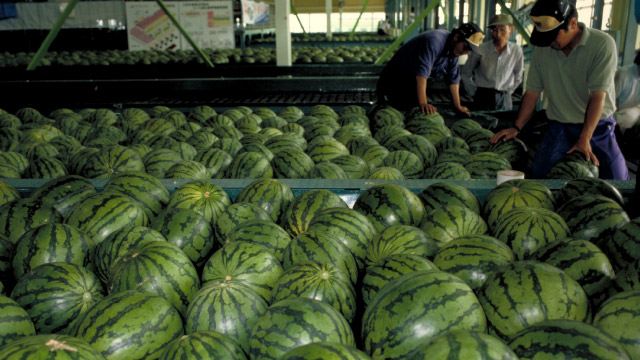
{"x": 495, "y": 71}
{"x": 384, "y": 26}
{"x": 403, "y": 81}
{"x": 627, "y": 82}
{"x": 575, "y": 67}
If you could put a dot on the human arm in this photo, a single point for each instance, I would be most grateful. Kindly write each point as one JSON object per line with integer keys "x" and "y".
{"x": 518, "y": 70}
{"x": 528, "y": 106}
{"x": 466, "y": 73}
{"x": 591, "y": 119}
{"x": 454, "y": 89}
{"x": 421, "y": 88}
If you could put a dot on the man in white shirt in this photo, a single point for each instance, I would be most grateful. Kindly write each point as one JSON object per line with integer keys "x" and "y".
{"x": 627, "y": 82}
{"x": 384, "y": 26}
{"x": 494, "y": 72}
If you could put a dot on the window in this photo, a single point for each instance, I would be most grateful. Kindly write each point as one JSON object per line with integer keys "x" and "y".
{"x": 317, "y": 23}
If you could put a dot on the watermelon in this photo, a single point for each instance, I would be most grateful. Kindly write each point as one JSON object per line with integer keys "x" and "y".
{"x": 9, "y": 172}
{"x": 6, "y": 254}
{"x": 324, "y": 148}
{"x": 400, "y": 239}
{"x": 159, "y": 268}
{"x": 188, "y": 230}
{"x": 566, "y": 339}
{"x": 593, "y": 217}
{"x": 485, "y": 165}
{"x": 158, "y": 161}
{"x": 158, "y": 126}
{"x": 326, "y": 170}
{"x": 618, "y": 317}
{"x": 8, "y": 193}
{"x": 284, "y": 142}
{"x": 389, "y": 204}
{"x": 323, "y": 111}
{"x": 292, "y": 110}
{"x": 452, "y": 142}
{"x": 358, "y": 143}
{"x": 353, "y": 166}
{"x": 291, "y": 323}
{"x": 418, "y": 146}
{"x": 526, "y": 229}
{"x": 46, "y": 168}
{"x": 473, "y": 258}
{"x": 515, "y": 193}
{"x": 386, "y": 173}
{"x": 229, "y": 145}
{"x": 445, "y": 194}
{"x": 202, "y": 141}
{"x": 22, "y": 215}
{"x": 249, "y": 165}
{"x": 50, "y": 243}
{"x": 388, "y": 268}
{"x": 526, "y": 292}
{"x": 464, "y": 344}
{"x": 229, "y": 307}
{"x": 146, "y": 190}
{"x": 15, "y": 159}
{"x": 262, "y": 232}
{"x": 65, "y": 192}
{"x": 50, "y": 347}
{"x": 583, "y": 261}
{"x": 627, "y": 278}
{"x": 291, "y": 163}
{"x": 233, "y": 216}
{"x": 583, "y": 186}
{"x": 205, "y": 198}
{"x": 104, "y": 213}
{"x": 478, "y": 140}
{"x": 416, "y": 307}
{"x": 257, "y": 148}
{"x": 129, "y": 325}
{"x": 447, "y": 223}
{"x": 513, "y": 150}
{"x": 324, "y": 282}
{"x": 571, "y": 170}
{"x": 389, "y": 134}
{"x": 624, "y": 247}
{"x": 56, "y": 293}
{"x": 202, "y": 345}
{"x": 409, "y": 164}
{"x": 78, "y": 160}
{"x": 118, "y": 244}
{"x": 305, "y": 206}
{"x": 247, "y": 263}
{"x": 187, "y": 170}
{"x": 324, "y": 350}
{"x": 455, "y": 155}
{"x": 215, "y": 160}
{"x": 111, "y": 160}
{"x": 14, "y": 320}
{"x": 271, "y": 195}
{"x": 447, "y": 170}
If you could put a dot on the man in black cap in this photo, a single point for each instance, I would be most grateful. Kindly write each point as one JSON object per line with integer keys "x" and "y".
{"x": 403, "y": 81}
{"x": 575, "y": 66}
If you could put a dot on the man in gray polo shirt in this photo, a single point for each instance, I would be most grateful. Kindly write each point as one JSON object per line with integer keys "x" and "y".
{"x": 575, "y": 67}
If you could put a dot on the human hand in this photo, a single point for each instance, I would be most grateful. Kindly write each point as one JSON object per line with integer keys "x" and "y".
{"x": 506, "y": 134}
{"x": 428, "y": 108}
{"x": 463, "y": 109}
{"x": 584, "y": 147}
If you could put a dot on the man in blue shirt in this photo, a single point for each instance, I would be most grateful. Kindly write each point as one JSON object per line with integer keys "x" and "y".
{"x": 403, "y": 81}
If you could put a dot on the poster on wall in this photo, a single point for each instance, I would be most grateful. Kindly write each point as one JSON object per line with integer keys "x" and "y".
{"x": 209, "y": 23}
{"x": 254, "y": 12}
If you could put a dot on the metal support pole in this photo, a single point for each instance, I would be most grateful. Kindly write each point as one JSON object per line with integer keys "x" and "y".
{"x": 516, "y": 22}
{"x": 52, "y": 35}
{"x": 406, "y": 33}
{"x": 596, "y": 20}
{"x": 364, "y": 7}
{"x": 283, "y": 33}
{"x": 294, "y": 12}
{"x": 327, "y": 6}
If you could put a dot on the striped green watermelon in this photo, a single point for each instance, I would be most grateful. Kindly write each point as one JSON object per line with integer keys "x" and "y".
{"x": 15, "y": 323}
{"x": 515, "y": 193}
{"x": 158, "y": 126}
{"x": 447, "y": 223}
{"x": 14, "y": 159}
{"x": 50, "y": 347}
{"x": 566, "y": 339}
{"x": 223, "y": 128}
{"x": 478, "y": 140}
{"x": 118, "y": 244}
{"x": 186, "y": 151}
{"x": 388, "y": 268}
{"x": 388, "y": 134}
{"x": 447, "y": 170}
{"x": 188, "y": 170}
{"x": 268, "y": 132}
{"x": 326, "y": 170}
{"x": 187, "y": 230}
{"x": 352, "y": 110}
{"x": 257, "y": 148}
{"x": 452, "y": 142}
{"x": 109, "y": 161}
{"x": 627, "y": 278}
{"x": 37, "y": 150}
{"x": 353, "y": 166}
{"x": 447, "y": 194}
{"x": 249, "y": 165}
{"x": 310, "y": 321}
{"x": 325, "y": 148}
{"x": 129, "y": 325}
{"x": 416, "y": 307}
{"x": 389, "y": 204}
{"x": 623, "y": 247}
{"x": 409, "y": 164}
{"x": 350, "y": 131}
{"x": 56, "y": 293}
{"x": 50, "y": 243}
{"x": 158, "y": 161}
{"x": 527, "y": 229}
{"x": 247, "y": 263}
{"x": 324, "y": 282}
{"x": 485, "y": 165}
{"x": 222, "y": 119}
{"x": 583, "y": 186}
{"x": 22, "y": 215}
{"x": 78, "y": 160}
{"x": 159, "y": 268}
{"x": 593, "y": 217}
{"x": 387, "y": 117}
{"x": 432, "y": 131}
{"x": 271, "y": 195}
{"x": 6, "y": 254}
{"x": 215, "y": 160}
{"x": 157, "y": 111}
{"x": 373, "y": 155}
{"x": 202, "y": 140}
{"x": 321, "y": 248}
{"x": 357, "y": 143}
{"x": 205, "y": 198}
{"x": 386, "y": 173}
{"x": 65, "y": 192}
{"x": 9, "y": 138}
{"x": 146, "y": 190}
{"x": 8, "y": 193}
{"x": 233, "y": 216}
{"x": 274, "y": 121}
{"x": 571, "y": 170}
{"x": 526, "y": 292}
{"x": 416, "y": 114}
{"x": 46, "y": 168}
{"x": 417, "y": 145}
{"x": 284, "y": 142}
{"x": 400, "y": 239}
{"x": 229, "y": 307}
{"x": 473, "y": 258}
{"x": 464, "y": 344}
{"x": 324, "y": 350}
{"x": 291, "y": 163}
{"x": 513, "y": 150}
{"x": 305, "y": 206}
{"x": 104, "y": 213}
{"x": 618, "y": 317}
{"x": 9, "y": 172}
{"x": 229, "y": 145}
{"x": 201, "y": 345}
{"x": 262, "y": 232}
{"x": 201, "y": 112}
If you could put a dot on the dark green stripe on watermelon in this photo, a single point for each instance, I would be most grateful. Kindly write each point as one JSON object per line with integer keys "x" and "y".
{"x": 618, "y": 317}
{"x": 15, "y": 323}
{"x": 201, "y": 345}
{"x": 50, "y": 346}
{"x": 65, "y": 192}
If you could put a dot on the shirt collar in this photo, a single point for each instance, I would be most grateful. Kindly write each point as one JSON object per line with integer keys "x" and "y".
{"x": 586, "y": 32}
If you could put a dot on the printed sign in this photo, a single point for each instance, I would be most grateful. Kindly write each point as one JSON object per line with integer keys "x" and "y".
{"x": 254, "y": 12}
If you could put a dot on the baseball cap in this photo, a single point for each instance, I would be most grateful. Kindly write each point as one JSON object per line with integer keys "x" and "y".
{"x": 502, "y": 19}
{"x": 547, "y": 16}
{"x": 472, "y": 33}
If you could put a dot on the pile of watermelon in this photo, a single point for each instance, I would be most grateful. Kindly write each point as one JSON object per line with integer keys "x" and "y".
{"x": 133, "y": 271}
{"x": 254, "y": 143}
